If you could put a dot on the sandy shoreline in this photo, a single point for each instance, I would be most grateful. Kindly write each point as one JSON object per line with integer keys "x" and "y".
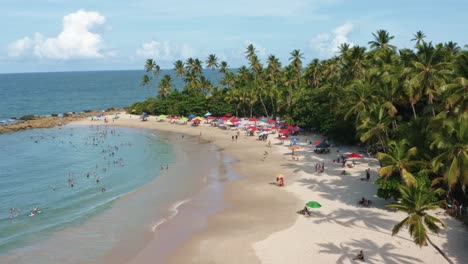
{"x": 261, "y": 225}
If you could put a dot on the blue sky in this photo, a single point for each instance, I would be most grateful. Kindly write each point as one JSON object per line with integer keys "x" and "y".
{"x": 66, "y": 35}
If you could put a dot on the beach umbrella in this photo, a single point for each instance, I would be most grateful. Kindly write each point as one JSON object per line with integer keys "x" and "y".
{"x": 228, "y": 115}
{"x": 253, "y": 119}
{"x": 313, "y": 204}
{"x": 196, "y": 120}
{"x": 235, "y": 120}
{"x": 210, "y": 118}
{"x": 183, "y": 119}
{"x": 162, "y": 116}
{"x": 316, "y": 142}
{"x": 208, "y": 114}
{"x": 229, "y": 123}
{"x": 224, "y": 118}
{"x": 354, "y": 155}
{"x": 271, "y": 121}
{"x": 290, "y": 127}
{"x": 191, "y": 116}
{"x": 253, "y": 128}
{"x": 263, "y": 120}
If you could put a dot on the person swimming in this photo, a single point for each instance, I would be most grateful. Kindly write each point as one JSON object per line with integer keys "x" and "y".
{"x": 35, "y": 211}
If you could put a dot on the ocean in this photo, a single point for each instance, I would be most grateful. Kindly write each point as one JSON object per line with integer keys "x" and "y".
{"x": 97, "y": 189}
{"x": 60, "y": 92}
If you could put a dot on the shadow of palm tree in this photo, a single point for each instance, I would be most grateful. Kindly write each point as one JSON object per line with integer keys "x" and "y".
{"x": 372, "y": 252}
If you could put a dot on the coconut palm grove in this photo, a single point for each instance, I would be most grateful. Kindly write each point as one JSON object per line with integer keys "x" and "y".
{"x": 408, "y": 106}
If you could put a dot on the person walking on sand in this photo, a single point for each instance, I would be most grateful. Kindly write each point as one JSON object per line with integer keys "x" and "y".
{"x": 359, "y": 256}
{"x": 269, "y": 143}
{"x": 232, "y": 138}
{"x": 367, "y": 174}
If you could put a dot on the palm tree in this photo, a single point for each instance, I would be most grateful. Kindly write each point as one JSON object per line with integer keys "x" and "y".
{"x": 223, "y": 67}
{"x": 313, "y": 74}
{"x": 149, "y": 65}
{"x": 251, "y": 51}
{"x": 400, "y": 159}
{"x": 430, "y": 72}
{"x": 228, "y": 80}
{"x": 145, "y": 82}
{"x": 296, "y": 63}
{"x": 179, "y": 68}
{"x": 450, "y": 139}
{"x": 416, "y": 200}
{"x": 381, "y": 41}
{"x": 374, "y": 125}
{"x": 165, "y": 85}
{"x": 418, "y": 37}
{"x": 360, "y": 96}
{"x": 212, "y": 62}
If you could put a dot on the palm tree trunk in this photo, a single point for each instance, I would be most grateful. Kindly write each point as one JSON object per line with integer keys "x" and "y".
{"x": 272, "y": 107}
{"x": 440, "y": 251}
{"x": 414, "y": 110}
{"x": 264, "y": 107}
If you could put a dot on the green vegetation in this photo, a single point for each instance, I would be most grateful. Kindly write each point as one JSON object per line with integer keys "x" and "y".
{"x": 407, "y": 104}
{"x": 416, "y": 200}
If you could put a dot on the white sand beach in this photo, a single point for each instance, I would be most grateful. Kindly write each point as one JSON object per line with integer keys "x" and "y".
{"x": 261, "y": 224}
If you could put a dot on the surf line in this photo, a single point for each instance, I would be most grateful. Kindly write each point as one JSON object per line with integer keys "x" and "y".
{"x": 174, "y": 209}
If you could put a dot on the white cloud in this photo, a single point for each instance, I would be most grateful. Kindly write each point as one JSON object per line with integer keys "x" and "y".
{"x": 76, "y": 40}
{"x": 164, "y": 51}
{"x": 327, "y": 43}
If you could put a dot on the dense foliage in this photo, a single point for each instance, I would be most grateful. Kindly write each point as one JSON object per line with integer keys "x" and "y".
{"x": 407, "y": 104}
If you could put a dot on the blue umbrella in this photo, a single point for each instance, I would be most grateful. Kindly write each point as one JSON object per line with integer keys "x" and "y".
{"x": 191, "y": 116}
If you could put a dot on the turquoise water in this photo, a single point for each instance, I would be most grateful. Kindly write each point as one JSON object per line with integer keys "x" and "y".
{"x": 38, "y": 167}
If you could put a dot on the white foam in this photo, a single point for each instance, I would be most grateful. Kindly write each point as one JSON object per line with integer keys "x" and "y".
{"x": 174, "y": 210}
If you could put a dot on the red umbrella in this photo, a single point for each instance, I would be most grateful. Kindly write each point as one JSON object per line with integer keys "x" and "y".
{"x": 224, "y": 118}
{"x": 253, "y": 119}
{"x": 196, "y": 120}
{"x": 228, "y": 115}
{"x": 316, "y": 142}
{"x": 235, "y": 120}
{"x": 275, "y": 127}
{"x": 290, "y": 127}
{"x": 253, "y": 128}
{"x": 354, "y": 155}
{"x": 211, "y": 117}
{"x": 271, "y": 121}
{"x": 284, "y": 131}
{"x": 266, "y": 129}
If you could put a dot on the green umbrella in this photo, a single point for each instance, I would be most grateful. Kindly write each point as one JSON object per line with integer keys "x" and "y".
{"x": 162, "y": 117}
{"x": 313, "y": 204}
{"x": 183, "y": 119}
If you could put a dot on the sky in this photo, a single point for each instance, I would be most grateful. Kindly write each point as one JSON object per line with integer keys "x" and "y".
{"x": 86, "y": 35}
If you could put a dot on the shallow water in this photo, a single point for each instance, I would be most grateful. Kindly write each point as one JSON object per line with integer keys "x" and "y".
{"x": 161, "y": 212}
{"x": 38, "y": 168}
